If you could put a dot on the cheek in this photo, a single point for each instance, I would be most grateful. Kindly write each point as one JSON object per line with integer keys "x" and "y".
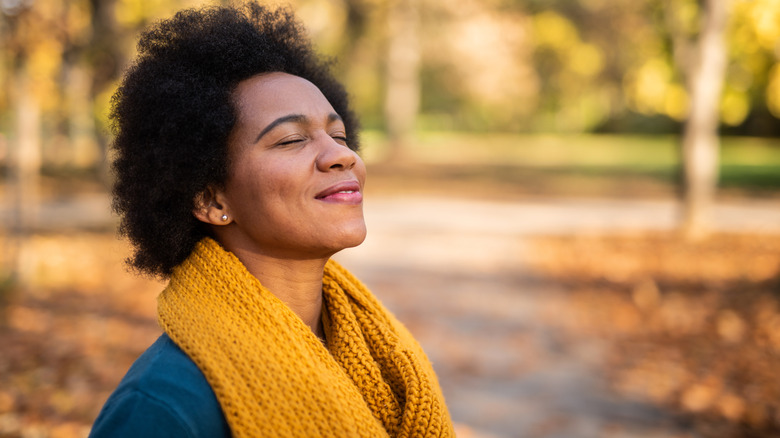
{"x": 268, "y": 189}
{"x": 282, "y": 181}
{"x": 244, "y": 186}
{"x": 360, "y": 169}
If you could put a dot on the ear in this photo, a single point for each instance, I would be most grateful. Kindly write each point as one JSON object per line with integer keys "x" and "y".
{"x": 209, "y": 207}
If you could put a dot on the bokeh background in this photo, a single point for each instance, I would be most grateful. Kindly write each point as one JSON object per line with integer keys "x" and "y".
{"x": 573, "y": 204}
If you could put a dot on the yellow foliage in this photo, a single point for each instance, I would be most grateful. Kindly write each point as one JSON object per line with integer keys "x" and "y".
{"x": 646, "y": 88}
{"x": 742, "y": 37}
{"x": 132, "y": 13}
{"x": 78, "y": 21}
{"x": 652, "y": 90}
{"x": 734, "y": 107}
{"x": 129, "y": 12}
{"x": 765, "y": 16}
{"x": 44, "y": 65}
{"x": 553, "y": 30}
{"x": 102, "y": 104}
{"x": 687, "y": 14}
{"x": 481, "y": 51}
{"x": 773, "y": 91}
{"x": 586, "y": 59}
{"x": 676, "y": 102}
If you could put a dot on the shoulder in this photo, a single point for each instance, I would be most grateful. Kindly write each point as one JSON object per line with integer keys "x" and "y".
{"x": 163, "y": 394}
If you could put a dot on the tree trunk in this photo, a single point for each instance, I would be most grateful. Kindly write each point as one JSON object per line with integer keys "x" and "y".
{"x": 107, "y": 61}
{"x": 82, "y": 130}
{"x": 25, "y": 173}
{"x": 27, "y": 153}
{"x": 402, "y": 98}
{"x": 700, "y": 135}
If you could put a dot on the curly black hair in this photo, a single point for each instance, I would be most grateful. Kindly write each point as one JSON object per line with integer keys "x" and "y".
{"x": 174, "y": 111}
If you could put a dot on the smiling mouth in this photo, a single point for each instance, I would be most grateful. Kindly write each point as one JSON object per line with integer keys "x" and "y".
{"x": 335, "y": 193}
{"x": 342, "y": 187}
{"x": 345, "y": 192}
{"x": 343, "y": 197}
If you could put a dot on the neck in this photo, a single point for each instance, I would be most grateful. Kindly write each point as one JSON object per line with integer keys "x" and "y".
{"x": 297, "y": 283}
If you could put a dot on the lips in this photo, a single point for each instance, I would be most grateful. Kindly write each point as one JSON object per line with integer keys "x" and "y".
{"x": 342, "y": 192}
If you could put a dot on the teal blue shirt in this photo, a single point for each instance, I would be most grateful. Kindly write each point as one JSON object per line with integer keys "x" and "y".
{"x": 164, "y": 394}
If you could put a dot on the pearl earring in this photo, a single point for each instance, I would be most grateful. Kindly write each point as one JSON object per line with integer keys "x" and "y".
{"x": 224, "y": 217}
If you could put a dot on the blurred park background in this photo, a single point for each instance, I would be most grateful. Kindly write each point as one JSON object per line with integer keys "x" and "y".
{"x": 574, "y": 204}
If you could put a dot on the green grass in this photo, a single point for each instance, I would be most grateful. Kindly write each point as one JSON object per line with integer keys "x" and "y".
{"x": 745, "y": 163}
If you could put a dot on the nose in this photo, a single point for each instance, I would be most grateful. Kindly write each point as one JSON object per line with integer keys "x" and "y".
{"x": 335, "y": 156}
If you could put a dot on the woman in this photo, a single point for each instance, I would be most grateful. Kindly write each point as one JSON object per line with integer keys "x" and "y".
{"x": 237, "y": 179}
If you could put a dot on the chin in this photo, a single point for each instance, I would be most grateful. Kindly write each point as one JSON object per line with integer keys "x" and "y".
{"x": 352, "y": 237}
{"x": 356, "y": 242}
{"x": 356, "y": 238}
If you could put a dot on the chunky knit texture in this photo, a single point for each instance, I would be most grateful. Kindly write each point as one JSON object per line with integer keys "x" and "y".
{"x": 273, "y": 376}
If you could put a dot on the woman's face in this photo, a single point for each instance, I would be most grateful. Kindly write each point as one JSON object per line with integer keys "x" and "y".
{"x": 294, "y": 188}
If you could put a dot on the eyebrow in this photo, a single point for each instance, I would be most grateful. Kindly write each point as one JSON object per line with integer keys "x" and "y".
{"x": 293, "y": 118}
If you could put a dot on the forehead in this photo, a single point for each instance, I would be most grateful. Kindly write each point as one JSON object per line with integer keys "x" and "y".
{"x": 271, "y": 95}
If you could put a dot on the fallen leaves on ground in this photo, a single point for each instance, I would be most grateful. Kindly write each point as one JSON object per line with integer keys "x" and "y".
{"x": 693, "y": 325}
{"x": 70, "y": 333}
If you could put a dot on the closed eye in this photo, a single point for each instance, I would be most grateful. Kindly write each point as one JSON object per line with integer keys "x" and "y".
{"x": 291, "y": 139}
{"x": 339, "y": 136}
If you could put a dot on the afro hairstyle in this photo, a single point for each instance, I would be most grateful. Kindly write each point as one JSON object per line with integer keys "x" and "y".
{"x": 174, "y": 111}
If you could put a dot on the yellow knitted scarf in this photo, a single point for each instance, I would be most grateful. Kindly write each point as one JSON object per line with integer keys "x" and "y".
{"x": 273, "y": 376}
